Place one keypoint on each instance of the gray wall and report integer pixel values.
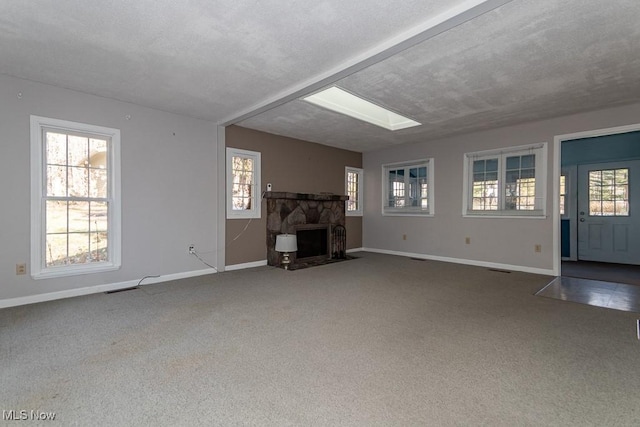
(169, 182)
(493, 240)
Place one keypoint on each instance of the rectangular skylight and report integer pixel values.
(341, 101)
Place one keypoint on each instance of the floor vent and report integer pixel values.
(122, 290)
(497, 270)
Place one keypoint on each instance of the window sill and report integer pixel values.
(52, 273)
(539, 215)
(244, 215)
(353, 214)
(426, 214)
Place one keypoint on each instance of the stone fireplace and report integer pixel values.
(313, 217)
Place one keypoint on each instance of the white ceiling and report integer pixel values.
(455, 66)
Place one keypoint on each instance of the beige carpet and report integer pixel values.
(380, 340)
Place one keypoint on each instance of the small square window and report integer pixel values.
(408, 188)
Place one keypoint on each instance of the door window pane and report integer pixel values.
(609, 192)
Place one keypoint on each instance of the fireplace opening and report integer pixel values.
(313, 242)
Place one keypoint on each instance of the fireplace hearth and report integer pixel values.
(313, 217)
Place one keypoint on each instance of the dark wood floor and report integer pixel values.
(617, 273)
(614, 286)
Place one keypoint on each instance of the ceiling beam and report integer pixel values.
(465, 11)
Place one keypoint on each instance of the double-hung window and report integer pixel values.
(508, 182)
(353, 188)
(75, 198)
(243, 183)
(408, 188)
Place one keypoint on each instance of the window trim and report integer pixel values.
(540, 151)
(409, 210)
(360, 173)
(39, 270)
(255, 211)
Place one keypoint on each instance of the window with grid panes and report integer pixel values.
(75, 198)
(609, 192)
(354, 188)
(243, 183)
(408, 188)
(507, 182)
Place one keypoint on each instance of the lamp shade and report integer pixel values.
(286, 243)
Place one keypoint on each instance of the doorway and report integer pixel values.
(608, 215)
(599, 204)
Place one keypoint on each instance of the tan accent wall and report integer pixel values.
(290, 165)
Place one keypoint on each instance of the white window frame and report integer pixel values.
(539, 211)
(567, 188)
(409, 210)
(255, 210)
(39, 270)
(360, 187)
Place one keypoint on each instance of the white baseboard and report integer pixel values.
(31, 299)
(525, 269)
(246, 265)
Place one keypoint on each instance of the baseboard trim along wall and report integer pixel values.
(524, 269)
(31, 299)
(246, 265)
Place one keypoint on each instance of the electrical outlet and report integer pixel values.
(538, 248)
(467, 240)
(21, 269)
(192, 249)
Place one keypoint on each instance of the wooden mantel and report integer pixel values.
(304, 196)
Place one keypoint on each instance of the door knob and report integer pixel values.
(581, 213)
(581, 219)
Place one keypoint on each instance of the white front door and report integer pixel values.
(609, 212)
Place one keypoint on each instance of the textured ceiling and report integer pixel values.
(202, 58)
(528, 60)
(244, 62)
